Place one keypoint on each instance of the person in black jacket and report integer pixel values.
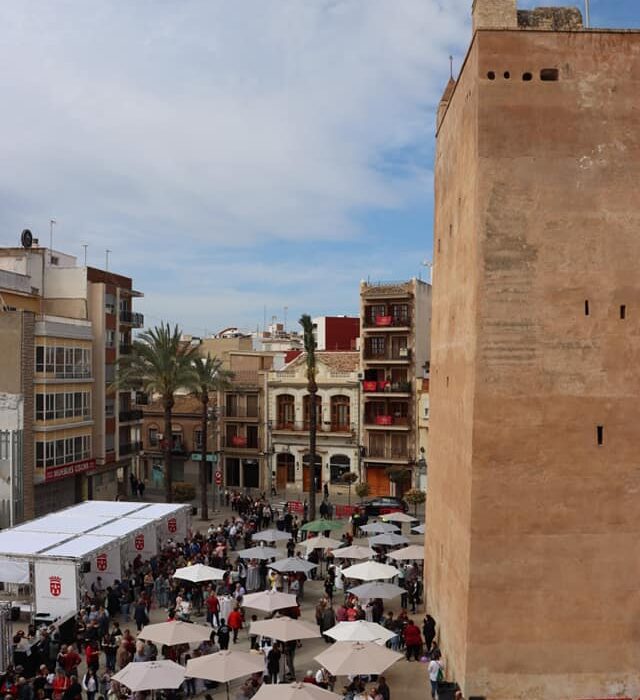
(223, 634)
(140, 615)
(428, 631)
(273, 663)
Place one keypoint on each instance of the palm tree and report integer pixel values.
(210, 377)
(312, 388)
(159, 363)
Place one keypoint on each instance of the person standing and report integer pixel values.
(435, 669)
(428, 630)
(327, 621)
(273, 663)
(412, 640)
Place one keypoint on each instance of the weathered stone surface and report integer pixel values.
(551, 18)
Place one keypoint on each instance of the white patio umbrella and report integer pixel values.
(370, 571)
(377, 589)
(355, 551)
(360, 631)
(413, 551)
(357, 658)
(259, 552)
(197, 573)
(269, 601)
(388, 539)
(284, 629)
(294, 691)
(399, 518)
(293, 564)
(320, 542)
(419, 529)
(271, 535)
(150, 675)
(378, 528)
(225, 666)
(172, 633)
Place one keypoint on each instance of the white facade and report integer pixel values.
(11, 426)
(338, 437)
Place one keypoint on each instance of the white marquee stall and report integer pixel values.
(63, 554)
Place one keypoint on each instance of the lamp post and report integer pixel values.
(422, 468)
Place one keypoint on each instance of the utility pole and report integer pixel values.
(85, 246)
(106, 261)
(52, 223)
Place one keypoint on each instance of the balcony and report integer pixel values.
(372, 386)
(391, 355)
(125, 348)
(303, 427)
(240, 442)
(129, 448)
(129, 415)
(73, 373)
(131, 318)
(386, 421)
(387, 321)
(387, 453)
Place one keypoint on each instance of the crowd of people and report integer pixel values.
(80, 663)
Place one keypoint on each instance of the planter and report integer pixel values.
(369, 386)
(384, 320)
(384, 420)
(238, 441)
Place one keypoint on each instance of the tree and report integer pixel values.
(159, 363)
(416, 497)
(349, 478)
(312, 388)
(209, 377)
(363, 490)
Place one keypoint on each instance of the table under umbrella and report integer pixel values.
(360, 631)
(172, 633)
(198, 573)
(412, 552)
(294, 691)
(271, 535)
(269, 601)
(150, 675)
(377, 589)
(284, 629)
(370, 571)
(357, 658)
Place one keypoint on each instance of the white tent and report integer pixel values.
(68, 550)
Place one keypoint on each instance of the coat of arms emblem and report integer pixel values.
(55, 585)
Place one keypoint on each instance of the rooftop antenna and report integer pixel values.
(52, 223)
(587, 13)
(451, 63)
(85, 246)
(106, 260)
(429, 264)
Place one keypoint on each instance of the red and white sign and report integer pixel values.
(102, 562)
(55, 585)
(56, 588)
(64, 471)
(139, 542)
(144, 542)
(172, 525)
(107, 565)
(218, 478)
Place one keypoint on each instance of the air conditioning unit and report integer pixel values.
(403, 352)
(360, 376)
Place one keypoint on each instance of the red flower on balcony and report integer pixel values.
(370, 385)
(384, 320)
(238, 441)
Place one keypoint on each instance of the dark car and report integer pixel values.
(382, 505)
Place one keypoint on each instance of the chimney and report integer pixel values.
(494, 14)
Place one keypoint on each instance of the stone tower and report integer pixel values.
(533, 544)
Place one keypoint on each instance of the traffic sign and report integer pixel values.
(218, 478)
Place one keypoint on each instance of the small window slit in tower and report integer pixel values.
(600, 434)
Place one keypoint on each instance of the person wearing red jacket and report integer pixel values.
(235, 623)
(412, 640)
(60, 684)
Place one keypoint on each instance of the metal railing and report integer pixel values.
(130, 415)
(132, 318)
(127, 448)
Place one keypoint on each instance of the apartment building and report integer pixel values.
(337, 415)
(336, 333)
(62, 317)
(394, 349)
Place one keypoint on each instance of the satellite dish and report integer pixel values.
(26, 238)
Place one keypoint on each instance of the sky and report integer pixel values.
(236, 157)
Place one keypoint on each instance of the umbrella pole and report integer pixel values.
(227, 690)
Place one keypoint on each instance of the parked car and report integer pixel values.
(382, 505)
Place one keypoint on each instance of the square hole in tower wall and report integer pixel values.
(623, 311)
(600, 434)
(549, 74)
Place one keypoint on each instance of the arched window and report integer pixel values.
(286, 411)
(306, 411)
(340, 414)
(338, 466)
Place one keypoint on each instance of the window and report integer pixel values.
(377, 346)
(373, 311)
(340, 414)
(376, 444)
(59, 404)
(40, 358)
(306, 411)
(110, 338)
(285, 409)
(549, 74)
(600, 434)
(40, 455)
(507, 75)
(40, 406)
(338, 466)
(586, 307)
(399, 347)
(60, 456)
(252, 406)
(252, 436)
(527, 77)
(109, 408)
(400, 313)
(50, 359)
(623, 312)
(153, 437)
(231, 404)
(197, 439)
(398, 445)
(491, 75)
(232, 465)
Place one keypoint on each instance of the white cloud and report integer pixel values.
(161, 123)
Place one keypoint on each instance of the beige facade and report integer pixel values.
(532, 523)
(338, 434)
(395, 320)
